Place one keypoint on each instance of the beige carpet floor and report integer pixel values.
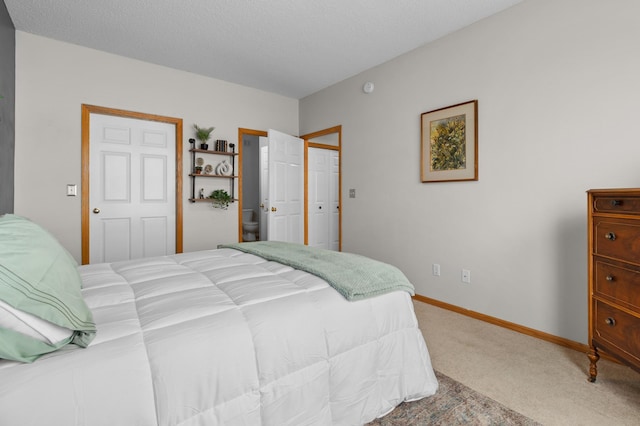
(538, 379)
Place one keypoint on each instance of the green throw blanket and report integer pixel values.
(355, 277)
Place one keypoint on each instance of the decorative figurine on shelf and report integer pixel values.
(224, 169)
(201, 194)
(203, 134)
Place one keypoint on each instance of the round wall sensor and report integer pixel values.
(368, 87)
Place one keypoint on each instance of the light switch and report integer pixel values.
(352, 193)
(72, 190)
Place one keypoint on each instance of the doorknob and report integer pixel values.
(262, 205)
(96, 210)
(273, 209)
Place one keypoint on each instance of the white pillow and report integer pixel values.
(32, 326)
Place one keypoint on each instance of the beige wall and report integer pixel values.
(54, 79)
(558, 88)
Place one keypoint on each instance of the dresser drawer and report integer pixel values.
(617, 283)
(617, 330)
(627, 205)
(617, 238)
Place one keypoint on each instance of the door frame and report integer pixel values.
(307, 144)
(87, 110)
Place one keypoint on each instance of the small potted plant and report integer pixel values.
(203, 134)
(198, 170)
(221, 199)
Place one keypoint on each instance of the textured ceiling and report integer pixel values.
(290, 47)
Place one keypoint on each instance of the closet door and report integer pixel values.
(323, 200)
(132, 196)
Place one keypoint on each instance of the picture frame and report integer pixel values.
(449, 143)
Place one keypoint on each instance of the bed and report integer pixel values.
(214, 337)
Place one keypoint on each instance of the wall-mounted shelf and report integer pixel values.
(212, 176)
(209, 151)
(193, 175)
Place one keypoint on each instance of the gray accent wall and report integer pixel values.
(7, 108)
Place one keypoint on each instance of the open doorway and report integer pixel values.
(249, 183)
(253, 226)
(281, 189)
(252, 209)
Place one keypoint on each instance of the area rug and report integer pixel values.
(453, 404)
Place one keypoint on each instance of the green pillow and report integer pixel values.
(38, 276)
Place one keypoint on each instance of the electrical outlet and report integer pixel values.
(352, 193)
(466, 276)
(435, 269)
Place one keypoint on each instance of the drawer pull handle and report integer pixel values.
(610, 236)
(615, 203)
(610, 278)
(610, 321)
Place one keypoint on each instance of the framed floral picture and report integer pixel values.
(449, 143)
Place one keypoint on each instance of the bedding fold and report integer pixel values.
(353, 276)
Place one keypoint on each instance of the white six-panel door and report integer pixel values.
(132, 176)
(323, 198)
(286, 188)
(334, 200)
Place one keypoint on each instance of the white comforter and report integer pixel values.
(223, 338)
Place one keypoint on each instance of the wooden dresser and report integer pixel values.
(614, 276)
